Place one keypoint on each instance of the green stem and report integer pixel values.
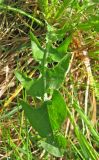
(44, 67)
(6, 7)
(44, 71)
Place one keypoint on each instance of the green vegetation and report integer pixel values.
(49, 90)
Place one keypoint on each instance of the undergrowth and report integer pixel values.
(49, 84)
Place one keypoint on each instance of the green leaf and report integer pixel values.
(56, 54)
(37, 50)
(60, 140)
(62, 8)
(39, 119)
(54, 79)
(56, 75)
(51, 35)
(34, 38)
(57, 115)
(1, 1)
(92, 23)
(34, 87)
(64, 46)
(57, 147)
(57, 111)
(23, 79)
(86, 148)
(65, 29)
(44, 6)
(55, 34)
(47, 121)
(55, 151)
(54, 2)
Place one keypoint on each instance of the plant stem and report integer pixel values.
(7, 7)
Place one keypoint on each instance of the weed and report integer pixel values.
(59, 97)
